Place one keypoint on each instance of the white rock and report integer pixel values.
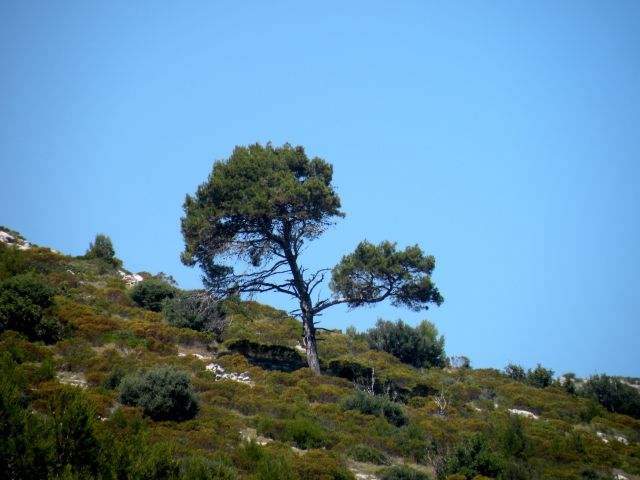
(221, 375)
(6, 237)
(620, 476)
(201, 357)
(523, 413)
(130, 280)
(621, 439)
(603, 437)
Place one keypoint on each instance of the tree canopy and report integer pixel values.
(261, 206)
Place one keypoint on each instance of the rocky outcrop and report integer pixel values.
(13, 239)
(130, 279)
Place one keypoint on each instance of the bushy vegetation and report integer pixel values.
(195, 309)
(539, 377)
(419, 346)
(377, 405)
(402, 472)
(151, 294)
(164, 393)
(369, 413)
(24, 300)
(613, 394)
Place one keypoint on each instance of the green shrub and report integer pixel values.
(321, 465)
(25, 448)
(73, 421)
(540, 377)
(151, 294)
(419, 346)
(515, 372)
(368, 454)
(402, 472)
(275, 468)
(202, 468)
(474, 456)
(613, 394)
(164, 393)
(414, 442)
(376, 405)
(102, 249)
(254, 458)
(23, 301)
(13, 261)
(305, 433)
(196, 310)
(157, 462)
(114, 378)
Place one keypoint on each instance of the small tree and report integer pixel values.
(540, 377)
(195, 309)
(102, 249)
(419, 346)
(261, 206)
(23, 301)
(515, 372)
(613, 394)
(151, 294)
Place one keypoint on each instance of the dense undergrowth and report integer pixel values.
(80, 359)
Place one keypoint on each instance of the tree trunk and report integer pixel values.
(310, 342)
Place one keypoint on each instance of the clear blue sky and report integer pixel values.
(503, 137)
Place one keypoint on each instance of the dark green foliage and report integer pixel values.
(255, 184)
(352, 371)
(158, 462)
(151, 294)
(419, 346)
(164, 393)
(513, 438)
(73, 421)
(368, 454)
(261, 206)
(114, 378)
(275, 468)
(264, 463)
(305, 433)
(568, 383)
(376, 405)
(414, 442)
(195, 309)
(202, 468)
(273, 357)
(25, 449)
(474, 456)
(13, 261)
(515, 372)
(102, 249)
(591, 411)
(321, 465)
(540, 377)
(613, 394)
(252, 457)
(23, 301)
(402, 472)
(374, 272)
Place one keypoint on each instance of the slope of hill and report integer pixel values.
(92, 385)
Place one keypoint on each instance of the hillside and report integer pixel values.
(93, 385)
